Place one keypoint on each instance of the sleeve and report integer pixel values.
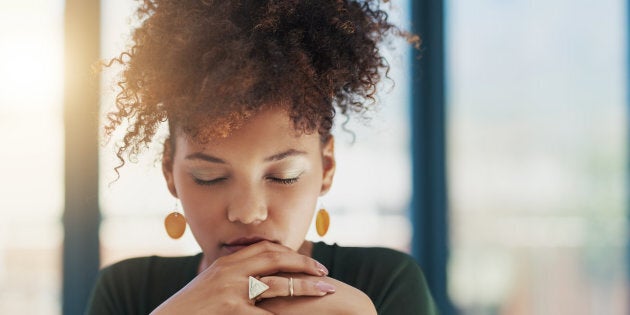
(406, 291)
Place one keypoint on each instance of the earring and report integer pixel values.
(175, 224)
(322, 221)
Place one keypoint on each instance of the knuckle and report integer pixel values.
(229, 304)
(273, 257)
(307, 261)
(271, 282)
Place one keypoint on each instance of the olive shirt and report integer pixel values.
(391, 279)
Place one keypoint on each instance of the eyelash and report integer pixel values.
(208, 182)
(283, 181)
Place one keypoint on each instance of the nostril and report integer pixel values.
(263, 217)
(247, 215)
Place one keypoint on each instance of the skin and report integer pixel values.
(249, 199)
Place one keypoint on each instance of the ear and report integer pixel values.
(329, 164)
(167, 166)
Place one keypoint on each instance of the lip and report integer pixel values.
(243, 242)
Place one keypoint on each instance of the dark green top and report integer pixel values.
(391, 279)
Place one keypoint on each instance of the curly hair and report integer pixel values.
(205, 66)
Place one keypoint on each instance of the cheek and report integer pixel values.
(296, 204)
(196, 200)
(293, 215)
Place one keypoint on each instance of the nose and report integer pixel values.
(247, 206)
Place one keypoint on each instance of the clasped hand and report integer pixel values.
(222, 288)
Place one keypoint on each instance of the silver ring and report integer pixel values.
(290, 286)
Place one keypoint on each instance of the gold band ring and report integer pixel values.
(290, 286)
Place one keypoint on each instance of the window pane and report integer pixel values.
(537, 156)
(31, 133)
(366, 207)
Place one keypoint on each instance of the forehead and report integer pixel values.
(267, 130)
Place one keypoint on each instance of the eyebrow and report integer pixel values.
(275, 157)
(205, 157)
(285, 154)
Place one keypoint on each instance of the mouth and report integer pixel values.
(243, 242)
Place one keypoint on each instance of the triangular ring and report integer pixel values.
(256, 287)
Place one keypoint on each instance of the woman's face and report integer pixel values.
(260, 182)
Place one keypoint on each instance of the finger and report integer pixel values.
(272, 262)
(256, 260)
(265, 258)
(281, 286)
(256, 249)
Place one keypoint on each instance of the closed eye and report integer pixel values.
(209, 182)
(284, 181)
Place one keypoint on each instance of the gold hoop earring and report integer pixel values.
(322, 222)
(175, 224)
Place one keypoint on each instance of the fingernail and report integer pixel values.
(325, 287)
(322, 269)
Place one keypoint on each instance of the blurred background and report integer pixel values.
(533, 145)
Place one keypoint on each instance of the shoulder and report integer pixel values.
(151, 270)
(372, 259)
(375, 255)
(134, 273)
(134, 268)
(113, 292)
(134, 286)
(392, 279)
(125, 275)
(129, 267)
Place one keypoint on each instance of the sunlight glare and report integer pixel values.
(30, 57)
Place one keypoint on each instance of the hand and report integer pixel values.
(223, 287)
(347, 300)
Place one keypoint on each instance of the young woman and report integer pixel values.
(249, 90)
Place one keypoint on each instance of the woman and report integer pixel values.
(249, 90)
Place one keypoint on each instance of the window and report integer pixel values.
(537, 154)
(31, 133)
